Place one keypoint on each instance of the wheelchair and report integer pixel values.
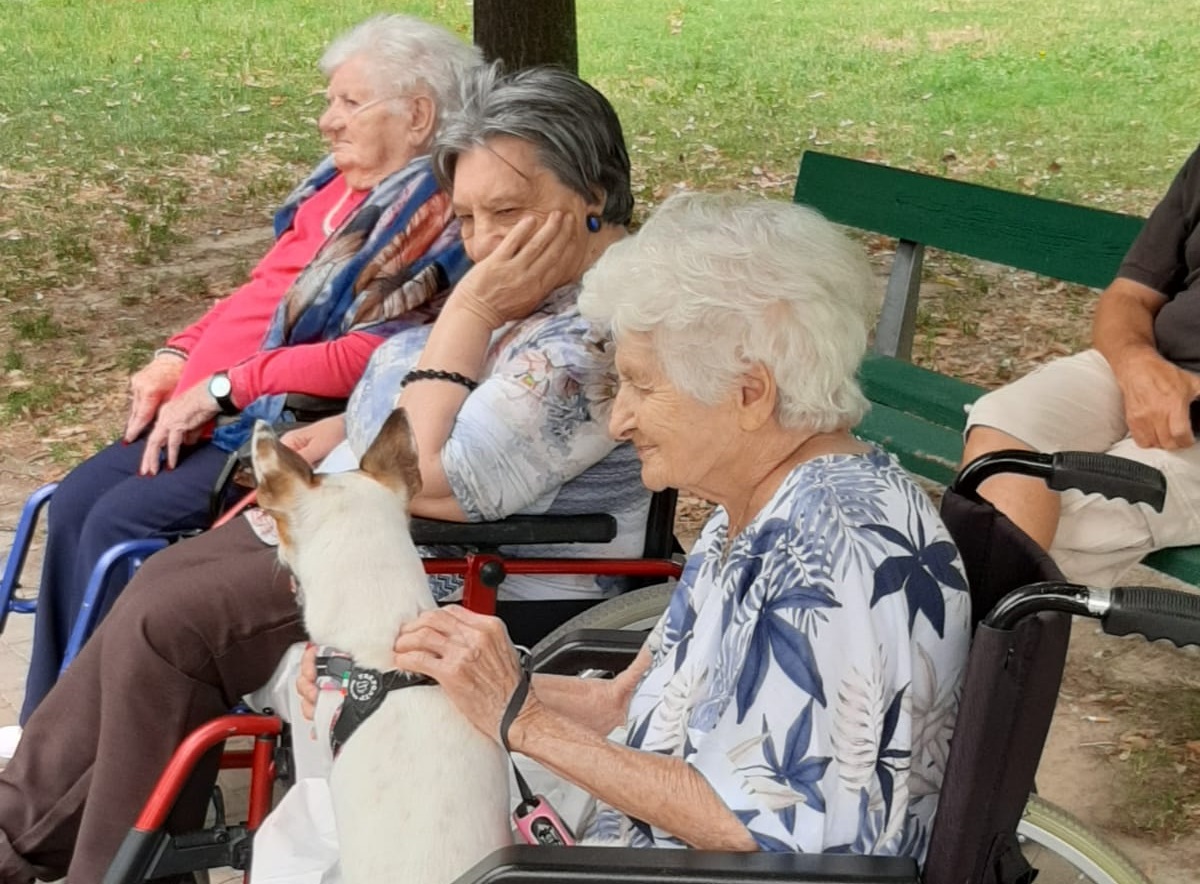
(989, 828)
(126, 557)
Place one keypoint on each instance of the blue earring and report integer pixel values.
(593, 223)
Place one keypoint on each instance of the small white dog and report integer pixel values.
(419, 795)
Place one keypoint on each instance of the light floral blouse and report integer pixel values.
(532, 438)
(811, 675)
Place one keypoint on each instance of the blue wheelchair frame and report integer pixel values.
(129, 554)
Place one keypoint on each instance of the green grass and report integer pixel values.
(128, 128)
(1081, 99)
(37, 326)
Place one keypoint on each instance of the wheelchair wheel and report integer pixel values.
(639, 609)
(1065, 851)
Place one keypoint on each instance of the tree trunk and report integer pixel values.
(527, 32)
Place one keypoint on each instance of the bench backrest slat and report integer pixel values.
(1072, 243)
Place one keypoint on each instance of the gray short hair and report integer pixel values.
(720, 281)
(407, 54)
(575, 130)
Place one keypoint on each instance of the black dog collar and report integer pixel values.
(366, 689)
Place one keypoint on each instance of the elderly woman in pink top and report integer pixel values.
(365, 247)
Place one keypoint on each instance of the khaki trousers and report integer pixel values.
(1074, 404)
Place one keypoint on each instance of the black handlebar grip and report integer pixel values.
(1154, 613)
(1108, 475)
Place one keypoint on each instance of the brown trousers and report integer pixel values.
(201, 624)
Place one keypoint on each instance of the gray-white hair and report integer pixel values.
(721, 281)
(406, 55)
(574, 129)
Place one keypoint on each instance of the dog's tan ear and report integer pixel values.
(392, 457)
(279, 471)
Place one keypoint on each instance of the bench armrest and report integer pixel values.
(516, 530)
(525, 864)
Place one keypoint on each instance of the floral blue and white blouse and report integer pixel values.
(532, 438)
(811, 674)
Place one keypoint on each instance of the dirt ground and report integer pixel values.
(1103, 734)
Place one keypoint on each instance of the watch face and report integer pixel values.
(220, 386)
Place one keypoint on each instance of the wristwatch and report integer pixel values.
(221, 390)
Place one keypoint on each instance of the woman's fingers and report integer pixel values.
(152, 452)
(469, 655)
(141, 412)
(515, 240)
(306, 682)
(175, 438)
(422, 662)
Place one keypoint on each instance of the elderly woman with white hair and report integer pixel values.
(366, 246)
(800, 690)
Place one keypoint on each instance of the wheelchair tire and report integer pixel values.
(639, 609)
(1065, 851)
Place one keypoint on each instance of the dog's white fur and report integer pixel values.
(419, 794)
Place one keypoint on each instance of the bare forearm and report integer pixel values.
(592, 702)
(598, 704)
(458, 343)
(1123, 330)
(665, 792)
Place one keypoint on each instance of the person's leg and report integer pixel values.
(1027, 501)
(1071, 404)
(201, 624)
(1098, 540)
(101, 503)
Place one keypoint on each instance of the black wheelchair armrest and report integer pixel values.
(610, 650)
(308, 409)
(1087, 471)
(516, 530)
(527, 864)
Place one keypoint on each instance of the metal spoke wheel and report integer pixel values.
(1065, 851)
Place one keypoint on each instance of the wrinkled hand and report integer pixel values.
(1157, 397)
(148, 389)
(179, 423)
(306, 682)
(315, 441)
(471, 657)
(529, 263)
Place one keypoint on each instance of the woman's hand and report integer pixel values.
(179, 423)
(529, 263)
(148, 389)
(315, 441)
(306, 682)
(469, 655)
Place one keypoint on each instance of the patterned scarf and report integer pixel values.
(390, 266)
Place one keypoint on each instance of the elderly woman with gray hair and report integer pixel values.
(365, 246)
(800, 690)
(507, 393)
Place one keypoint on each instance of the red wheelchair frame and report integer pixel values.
(149, 850)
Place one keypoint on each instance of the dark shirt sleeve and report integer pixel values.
(1157, 257)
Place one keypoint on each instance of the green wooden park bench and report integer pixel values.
(918, 414)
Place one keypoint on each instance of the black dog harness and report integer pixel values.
(364, 690)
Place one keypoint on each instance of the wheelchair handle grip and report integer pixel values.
(1154, 613)
(1090, 472)
(1108, 475)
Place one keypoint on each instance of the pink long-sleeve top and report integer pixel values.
(228, 336)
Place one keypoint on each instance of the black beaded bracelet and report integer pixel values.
(434, 374)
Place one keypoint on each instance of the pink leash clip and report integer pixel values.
(539, 823)
(535, 818)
